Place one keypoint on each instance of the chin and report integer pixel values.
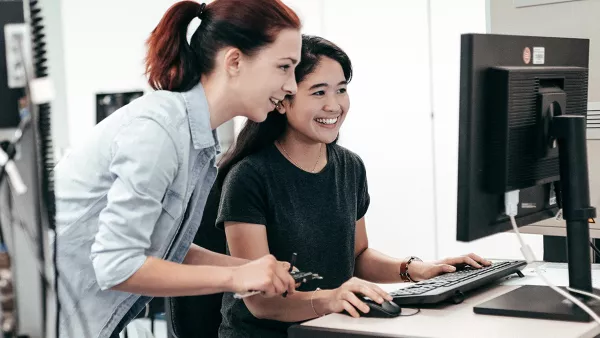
(327, 140)
(330, 140)
(258, 116)
(260, 119)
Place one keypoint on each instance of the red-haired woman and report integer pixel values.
(130, 198)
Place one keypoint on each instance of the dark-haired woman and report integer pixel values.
(130, 198)
(288, 187)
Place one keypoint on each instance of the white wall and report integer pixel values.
(104, 51)
(310, 13)
(389, 123)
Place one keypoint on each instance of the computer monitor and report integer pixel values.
(523, 104)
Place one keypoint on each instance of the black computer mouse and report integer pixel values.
(384, 310)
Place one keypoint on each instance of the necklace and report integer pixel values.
(296, 164)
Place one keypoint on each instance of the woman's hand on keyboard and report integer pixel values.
(425, 270)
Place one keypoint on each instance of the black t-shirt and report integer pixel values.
(313, 215)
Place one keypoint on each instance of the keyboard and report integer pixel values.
(453, 286)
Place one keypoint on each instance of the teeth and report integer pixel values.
(275, 102)
(327, 121)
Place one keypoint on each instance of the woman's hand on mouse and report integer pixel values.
(345, 297)
(425, 270)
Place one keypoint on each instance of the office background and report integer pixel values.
(404, 97)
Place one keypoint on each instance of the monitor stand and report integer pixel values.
(541, 301)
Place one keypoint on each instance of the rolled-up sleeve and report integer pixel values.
(143, 165)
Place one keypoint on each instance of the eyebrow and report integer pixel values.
(318, 85)
(294, 61)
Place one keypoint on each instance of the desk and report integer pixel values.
(448, 321)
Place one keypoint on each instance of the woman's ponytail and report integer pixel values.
(170, 61)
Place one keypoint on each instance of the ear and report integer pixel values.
(281, 109)
(233, 59)
(283, 106)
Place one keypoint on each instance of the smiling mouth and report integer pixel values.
(275, 102)
(328, 121)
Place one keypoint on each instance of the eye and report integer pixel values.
(284, 67)
(319, 93)
(342, 90)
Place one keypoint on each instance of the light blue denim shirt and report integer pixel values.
(121, 196)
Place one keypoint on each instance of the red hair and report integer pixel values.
(173, 64)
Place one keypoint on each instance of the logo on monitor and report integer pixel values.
(526, 55)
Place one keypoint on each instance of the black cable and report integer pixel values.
(558, 194)
(410, 314)
(4, 146)
(55, 264)
(595, 248)
(44, 119)
(557, 191)
(2, 242)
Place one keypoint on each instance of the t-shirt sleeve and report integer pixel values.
(243, 197)
(362, 190)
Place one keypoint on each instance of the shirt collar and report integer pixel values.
(199, 117)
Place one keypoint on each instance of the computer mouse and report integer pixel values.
(384, 310)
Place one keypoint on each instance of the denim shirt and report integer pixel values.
(122, 196)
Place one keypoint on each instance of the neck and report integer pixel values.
(302, 151)
(219, 100)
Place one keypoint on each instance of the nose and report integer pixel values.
(290, 86)
(332, 105)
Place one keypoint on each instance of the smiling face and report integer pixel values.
(265, 78)
(319, 107)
